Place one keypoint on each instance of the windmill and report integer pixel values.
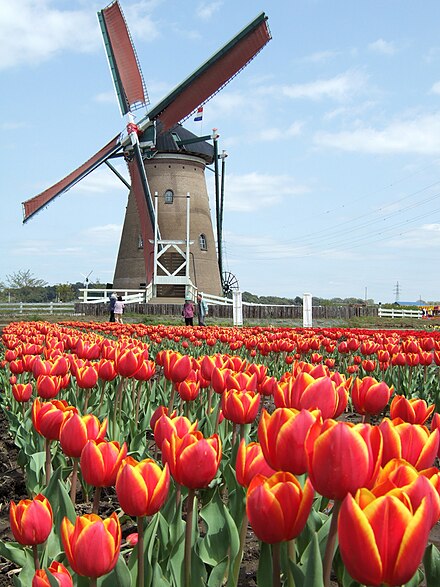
(167, 237)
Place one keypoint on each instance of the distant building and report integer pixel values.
(417, 303)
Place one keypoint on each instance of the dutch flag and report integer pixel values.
(199, 114)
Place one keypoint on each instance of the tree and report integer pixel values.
(21, 279)
(65, 292)
(22, 286)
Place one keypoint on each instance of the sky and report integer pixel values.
(332, 181)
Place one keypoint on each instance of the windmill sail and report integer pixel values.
(213, 75)
(123, 61)
(32, 206)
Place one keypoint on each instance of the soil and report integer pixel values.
(12, 487)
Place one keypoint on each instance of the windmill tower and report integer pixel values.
(164, 158)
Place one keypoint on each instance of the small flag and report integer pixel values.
(199, 114)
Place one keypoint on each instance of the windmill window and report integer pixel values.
(202, 242)
(140, 242)
(169, 197)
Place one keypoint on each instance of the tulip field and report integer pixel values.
(157, 456)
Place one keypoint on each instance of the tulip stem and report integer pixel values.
(74, 480)
(276, 568)
(239, 557)
(93, 582)
(292, 557)
(48, 463)
(217, 416)
(140, 551)
(96, 499)
(209, 406)
(86, 401)
(331, 542)
(138, 402)
(36, 557)
(171, 402)
(188, 535)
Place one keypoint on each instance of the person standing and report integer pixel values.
(119, 308)
(188, 312)
(202, 309)
(113, 299)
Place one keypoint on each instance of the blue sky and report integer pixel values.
(332, 131)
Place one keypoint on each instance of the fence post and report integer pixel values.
(307, 310)
(237, 308)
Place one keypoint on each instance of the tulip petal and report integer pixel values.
(357, 544)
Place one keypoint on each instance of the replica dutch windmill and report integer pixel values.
(168, 237)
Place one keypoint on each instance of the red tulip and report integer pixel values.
(250, 462)
(399, 476)
(240, 407)
(106, 370)
(31, 520)
(282, 436)
(382, 541)
(343, 458)
(188, 390)
(278, 507)
(165, 427)
(92, 545)
(22, 391)
(48, 386)
(142, 487)
(58, 571)
(86, 376)
(76, 430)
(414, 411)
(100, 462)
(193, 459)
(47, 417)
(370, 396)
(412, 442)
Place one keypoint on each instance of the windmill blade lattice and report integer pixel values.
(124, 64)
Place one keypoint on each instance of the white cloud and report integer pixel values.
(340, 88)
(106, 97)
(32, 31)
(257, 190)
(320, 57)
(139, 20)
(435, 89)
(205, 10)
(277, 134)
(420, 134)
(382, 47)
(103, 180)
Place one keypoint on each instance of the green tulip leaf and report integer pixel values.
(431, 562)
(213, 547)
(52, 580)
(119, 577)
(17, 554)
(264, 572)
(175, 561)
(26, 575)
(217, 574)
(417, 579)
(313, 576)
(159, 578)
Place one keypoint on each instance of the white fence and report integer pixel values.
(399, 313)
(21, 308)
(102, 296)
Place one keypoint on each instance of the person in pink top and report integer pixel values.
(119, 309)
(188, 312)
